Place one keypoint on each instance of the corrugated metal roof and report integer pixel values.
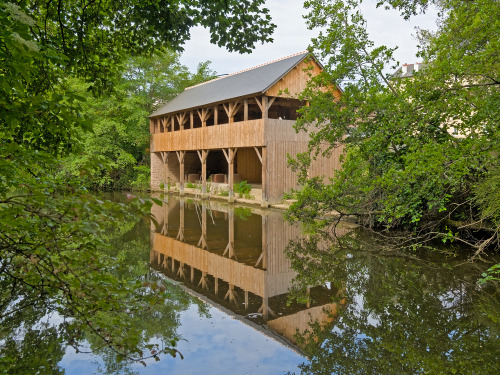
(247, 82)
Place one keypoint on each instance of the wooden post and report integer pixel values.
(180, 234)
(265, 108)
(203, 116)
(181, 118)
(172, 123)
(204, 173)
(164, 156)
(191, 119)
(203, 239)
(230, 162)
(203, 158)
(230, 245)
(264, 178)
(231, 175)
(265, 227)
(216, 286)
(245, 110)
(180, 156)
(231, 110)
(216, 115)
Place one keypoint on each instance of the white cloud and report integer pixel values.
(292, 35)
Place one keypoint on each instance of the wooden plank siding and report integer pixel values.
(251, 279)
(299, 322)
(237, 134)
(296, 80)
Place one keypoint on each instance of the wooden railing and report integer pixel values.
(237, 134)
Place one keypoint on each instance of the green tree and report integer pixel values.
(115, 154)
(52, 234)
(398, 313)
(420, 153)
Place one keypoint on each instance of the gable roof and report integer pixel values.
(256, 80)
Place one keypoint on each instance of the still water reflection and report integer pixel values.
(250, 294)
(236, 259)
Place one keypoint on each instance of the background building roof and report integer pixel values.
(408, 70)
(256, 80)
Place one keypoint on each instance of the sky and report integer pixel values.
(291, 36)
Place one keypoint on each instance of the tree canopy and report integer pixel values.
(398, 313)
(115, 155)
(420, 153)
(53, 235)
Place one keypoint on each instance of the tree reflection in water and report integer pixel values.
(402, 314)
(34, 340)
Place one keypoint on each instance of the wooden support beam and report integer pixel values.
(216, 286)
(181, 118)
(151, 126)
(204, 156)
(265, 229)
(230, 161)
(203, 159)
(216, 115)
(226, 155)
(259, 104)
(232, 295)
(164, 156)
(203, 239)
(180, 271)
(229, 250)
(204, 114)
(265, 108)
(270, 102)
(203, 280)
(232, 109)
(245, 110)
(264, 177)
(180, 234)
(180, 156)
(172, 123)
(258, 154)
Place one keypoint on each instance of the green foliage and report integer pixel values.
(243, 213)
(397, 313)
(243, 189)
(492, 274)
(115, 155)
(417, 152)
(53, 235)
(224, 193)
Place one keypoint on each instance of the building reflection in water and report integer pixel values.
(235, 257)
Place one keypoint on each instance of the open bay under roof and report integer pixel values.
(248, 82)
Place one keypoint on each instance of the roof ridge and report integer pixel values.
(246, 70)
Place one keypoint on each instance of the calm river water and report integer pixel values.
(256, 296)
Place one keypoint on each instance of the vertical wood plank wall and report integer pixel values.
(281, 140)
(279, 233)
(249, 165)
(296, 80)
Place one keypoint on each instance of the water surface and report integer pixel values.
(251, 294)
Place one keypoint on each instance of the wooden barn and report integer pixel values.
(237, 127)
